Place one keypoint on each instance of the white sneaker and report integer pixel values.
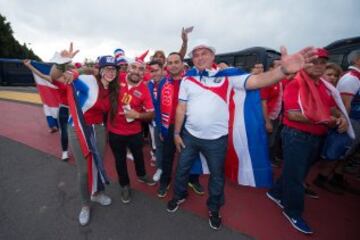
(157, 175)
(130, 156)
(153, 157)
(65, 155)
(101, 198)
(84, 216)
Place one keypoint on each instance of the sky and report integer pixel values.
(99, 27)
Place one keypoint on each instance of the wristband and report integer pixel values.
(61, 67)
(74, 73)
(176, 134)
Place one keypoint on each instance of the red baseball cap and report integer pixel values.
(322, 53)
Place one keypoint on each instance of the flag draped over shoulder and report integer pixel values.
(82, 95)
(48, 93)
(247, 159)
(312, 107)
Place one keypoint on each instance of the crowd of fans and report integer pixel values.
(310, 107)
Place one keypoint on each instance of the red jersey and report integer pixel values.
(96, 114)
(62, 92)
(139, 99)
(291, 96)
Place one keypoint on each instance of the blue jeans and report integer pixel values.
(63, 123)
(300, 151)
(214, 152)
(159, 147)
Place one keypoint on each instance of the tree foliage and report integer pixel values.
(10, 47)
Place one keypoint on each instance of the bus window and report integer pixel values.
(336, 58)
(251, 60)
(240, 61)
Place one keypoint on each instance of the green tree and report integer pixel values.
(9, 46)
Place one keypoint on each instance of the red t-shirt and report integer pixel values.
(271, 95)
(139, 99)
(96, 114)
(291, 103)
(62, 92)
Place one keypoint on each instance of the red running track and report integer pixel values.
(247, 210)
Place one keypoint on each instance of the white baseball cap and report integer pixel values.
(58, 59)
(201, 44)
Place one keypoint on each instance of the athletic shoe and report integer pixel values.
(197, 188)
(215, 220)
(274, 199)
(130, 156)
(157, 175)
(322, 182)
(125, 194)
(173, 204)
(299, 224)
(145, 179)
(53, 130)
(65, 156)
(311, 193)
(163, 190)
(101, 198)
(84, 216)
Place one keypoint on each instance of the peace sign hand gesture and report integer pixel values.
(69, 53)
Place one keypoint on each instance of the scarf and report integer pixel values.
(166, 105)
(311, 104)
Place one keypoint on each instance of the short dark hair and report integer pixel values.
(176, 53)
(224, 61)
(156, 62)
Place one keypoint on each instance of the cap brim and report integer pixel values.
(58, 59)
(201, 46)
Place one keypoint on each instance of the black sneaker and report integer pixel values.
(215, 220)
(146, 180)
(323, 183)
(173, 204)
(125, 194)
(197, 188)
(163, 190)
(310, 193)
(344, 185)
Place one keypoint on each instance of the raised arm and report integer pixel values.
(289, 64)
(58, 70)
(183, 49)
(27, 63)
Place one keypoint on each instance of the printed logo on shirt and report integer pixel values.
(217, 80)
(137, 93)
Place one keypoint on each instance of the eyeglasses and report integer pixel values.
(109, 69)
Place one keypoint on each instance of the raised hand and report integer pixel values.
(184, 35)
(69, 53)
(297, 61)
(27, 62)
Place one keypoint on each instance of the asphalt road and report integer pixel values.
(39, 200)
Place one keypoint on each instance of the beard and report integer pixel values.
(134, 78)
(175, 73)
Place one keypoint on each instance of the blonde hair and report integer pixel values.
(335, 67)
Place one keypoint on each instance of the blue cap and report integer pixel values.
(107, 61)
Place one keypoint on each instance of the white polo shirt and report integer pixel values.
(207, 96)
(349, 84)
